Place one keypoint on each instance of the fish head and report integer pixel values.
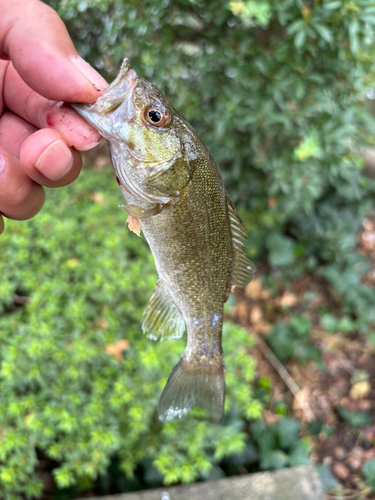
(150, 142)
(134, 113)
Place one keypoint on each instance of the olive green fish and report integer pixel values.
(174, 192)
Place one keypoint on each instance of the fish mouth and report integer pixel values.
(114, 95)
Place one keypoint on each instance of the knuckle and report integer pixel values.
(19, 196)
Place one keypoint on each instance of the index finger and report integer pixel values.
(43, 113)
(34, 37)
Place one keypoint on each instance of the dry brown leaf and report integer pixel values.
(134, 225)
(288, 300)
(355, 463)
(368, 225)
(305, 393)
(270, 418)
(241, 310)
(254, 289)
(360, 390)
(256, 314)
(98, 198)
(365, 404)
(369, 454)
(272, 202)
(340, 453)
(117, 348)
(368, 240)
(341, 471)
(102, 323)
(263, 328)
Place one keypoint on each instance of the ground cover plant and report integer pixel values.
(79, 381)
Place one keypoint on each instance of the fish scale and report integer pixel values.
(175, 194)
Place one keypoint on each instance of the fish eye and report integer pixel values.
(155, 116)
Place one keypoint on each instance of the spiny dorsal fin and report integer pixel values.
(163, 319)
(243, 269)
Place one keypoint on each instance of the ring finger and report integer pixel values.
(20, 197)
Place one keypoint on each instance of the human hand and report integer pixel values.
(40, 137)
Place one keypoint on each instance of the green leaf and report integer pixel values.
(287, 431)
(353, 36)
(369, 472)
(299, 39)
(356, 419)
(333, 5)
(329, 322)
(328, 479)
(295, 26)
(324, 32)
(282, 341)
(300, 453)
(273, 459)
(280, 249)
(301, 325)
(309, 147)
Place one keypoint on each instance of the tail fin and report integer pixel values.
(190, 385)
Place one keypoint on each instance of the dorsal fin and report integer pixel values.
(243, 269)
(163, 319)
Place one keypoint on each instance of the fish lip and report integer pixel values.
(114, 95)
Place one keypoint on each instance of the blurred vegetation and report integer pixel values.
(276, 91)
(79, 381)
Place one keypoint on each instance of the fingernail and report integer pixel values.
(55, 161)
(90, 73)
(91, 145)
(2, 164)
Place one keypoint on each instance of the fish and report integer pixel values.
(175, 195)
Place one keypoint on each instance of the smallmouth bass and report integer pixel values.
(175, 194)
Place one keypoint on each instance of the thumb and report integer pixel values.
(34, 37)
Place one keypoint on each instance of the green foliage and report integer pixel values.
(270, 447)
(292, 340)
(279, 445)
(73, 283)
(369, 472)
(328, 479)
(276, 91)
(355, 418)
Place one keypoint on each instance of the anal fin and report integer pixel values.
(163, 320)
(243, 268)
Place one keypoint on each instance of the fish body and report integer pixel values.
(174, 191)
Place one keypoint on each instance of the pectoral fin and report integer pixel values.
(243, 269)
(163, 319)
(142, 213)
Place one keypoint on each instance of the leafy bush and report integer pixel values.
(292, 340)
(276, 91)
(369, 472)
(79, 381)
(279, 444)
(273, 87)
